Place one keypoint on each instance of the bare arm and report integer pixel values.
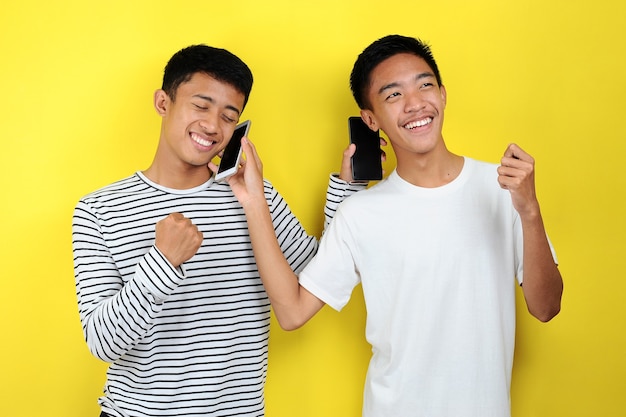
(543, 284)
(292, 304)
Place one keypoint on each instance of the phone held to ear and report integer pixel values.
(229, 163)
(366, 161)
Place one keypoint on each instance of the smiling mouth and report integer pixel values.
(418, 123)
(201, 141)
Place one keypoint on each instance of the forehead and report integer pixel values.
(206, 87)
(398, 69)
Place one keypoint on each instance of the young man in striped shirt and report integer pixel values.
(168, 288)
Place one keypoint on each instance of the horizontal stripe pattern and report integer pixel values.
(186, 341)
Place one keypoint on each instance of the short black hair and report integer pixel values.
(218, 63)
(379, 51)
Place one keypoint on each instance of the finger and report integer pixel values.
(251, 149)
(249, 146)
(212, 166)
(508, 172)
(513, 167)
(349, 151)
(176, 216)
(511, 150)
(346, 163)
(509, 177)
(515, 152)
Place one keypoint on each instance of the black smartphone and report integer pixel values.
(366, 161)
(229, 163)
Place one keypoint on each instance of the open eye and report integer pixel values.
(393, 95)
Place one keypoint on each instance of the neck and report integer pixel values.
(178, 178)
(430, 170)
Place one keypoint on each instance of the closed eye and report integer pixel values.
(229, 119)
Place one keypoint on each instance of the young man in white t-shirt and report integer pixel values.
(438, 248)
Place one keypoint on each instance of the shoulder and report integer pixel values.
(267, 185)
(368, 199)
(478, 170)
(124, 185)
(272, 195)
(269, 189)
(480, 166)
(117, 186)
(482, 180)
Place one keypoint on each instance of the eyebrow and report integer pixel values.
(212, 101)
(396, 84)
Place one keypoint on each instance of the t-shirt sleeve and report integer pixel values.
(331, 275)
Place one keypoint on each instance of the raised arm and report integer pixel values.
(293, 305)
(342, 186)
(542, 284)
(115, 314)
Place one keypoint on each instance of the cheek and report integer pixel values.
(388, 118)
(177, 125)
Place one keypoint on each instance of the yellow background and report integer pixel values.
(76, 87)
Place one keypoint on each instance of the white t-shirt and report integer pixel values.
(438, 268)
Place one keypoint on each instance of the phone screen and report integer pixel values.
(366, 161)
(229, 162)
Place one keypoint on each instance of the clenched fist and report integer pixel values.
(177, 238)
(516, 173)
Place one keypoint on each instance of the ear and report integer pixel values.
(161, 102)
(368, 117)
(444, 95)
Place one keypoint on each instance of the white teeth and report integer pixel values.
(200, 141)
(419, 123)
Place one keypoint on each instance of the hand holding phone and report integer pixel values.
(229, 163)
(366, 161)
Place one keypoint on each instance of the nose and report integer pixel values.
(209, 123)
(413, 102)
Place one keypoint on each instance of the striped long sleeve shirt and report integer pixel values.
(186, 341)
